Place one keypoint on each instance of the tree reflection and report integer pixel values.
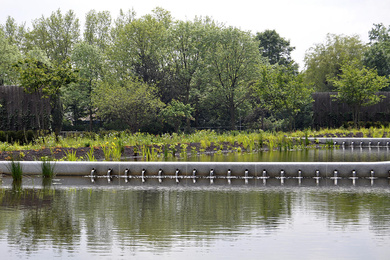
(160, 217)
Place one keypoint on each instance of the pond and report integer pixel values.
(206, 222)
(74, 218)
(305, 155)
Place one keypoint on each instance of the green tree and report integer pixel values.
(56, 35)
(89, 61)
(274, 47)
(324, 61)
(9, 55)
(357, 86)
(230, 64)
(98, 29)
(378, 53)
(15, 34)
(131, 101)
(48, 79)
(281, 90)
(175, 112)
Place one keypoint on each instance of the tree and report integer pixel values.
(9, 55)
(15, 34)
(378, 53)
(358, 87)
(56, 35)
(98, 28)
(281, 90)
(140, 50)
(131, 101)
(230, 63)
(324, 61)
(48, 79)
(175, 112)
(275, 48)
(88, 59)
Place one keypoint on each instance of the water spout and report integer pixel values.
(246, 176)
(317, 177)
(282, 177)
(177, 175)
(160, 172)
(299, 176)
(194, 175)
(93, 175)
(212, 176)
(229, 176)
(143, 175)
(109, 175)
(127, 171)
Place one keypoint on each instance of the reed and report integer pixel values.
(71, 155)
(16, 171)
(47, 168)
(90, 155)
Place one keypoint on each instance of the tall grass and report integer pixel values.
(16, 171)
(47, 168)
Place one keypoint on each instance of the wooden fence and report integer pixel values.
(23, 111)
(330, 113)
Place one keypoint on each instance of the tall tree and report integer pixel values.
(15, 34)
(56, 35)
(324, 60)
(357, 86)
(141, 50)
(378, 53)
(48, 79)
(131, 101)
(98, 29)
(281, 90)
(88, 59)
(231, 63)
(9, 54)
(274, 47)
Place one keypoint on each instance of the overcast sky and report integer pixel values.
(303, 22)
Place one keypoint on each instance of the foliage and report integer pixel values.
(88, 59)
(131, 101)
(282, 91)
(175, 112)
(324, 61)
(56, 35)
(358, 87)
(275, 48)
(47, 168)
(378, 53)
(232, 60)
(9, 54)
(36, 76)
(16, 171)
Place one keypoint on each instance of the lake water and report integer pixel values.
(74, 218)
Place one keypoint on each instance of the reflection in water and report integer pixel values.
(222, 222)
(304, 155)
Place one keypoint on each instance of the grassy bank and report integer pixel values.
(113, 145)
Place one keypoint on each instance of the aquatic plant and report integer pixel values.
(90, 155)
(71, 155)
(16, 171)
(47, 168)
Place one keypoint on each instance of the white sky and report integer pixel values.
(303, 22)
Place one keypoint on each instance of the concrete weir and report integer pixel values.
(210, 170)
(352, 142)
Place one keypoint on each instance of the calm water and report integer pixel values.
(192, 222)
(73, 218)
(308, 155)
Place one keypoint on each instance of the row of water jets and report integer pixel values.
(212, 177)
(360, 144)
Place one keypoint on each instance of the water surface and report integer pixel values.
(192, 222)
